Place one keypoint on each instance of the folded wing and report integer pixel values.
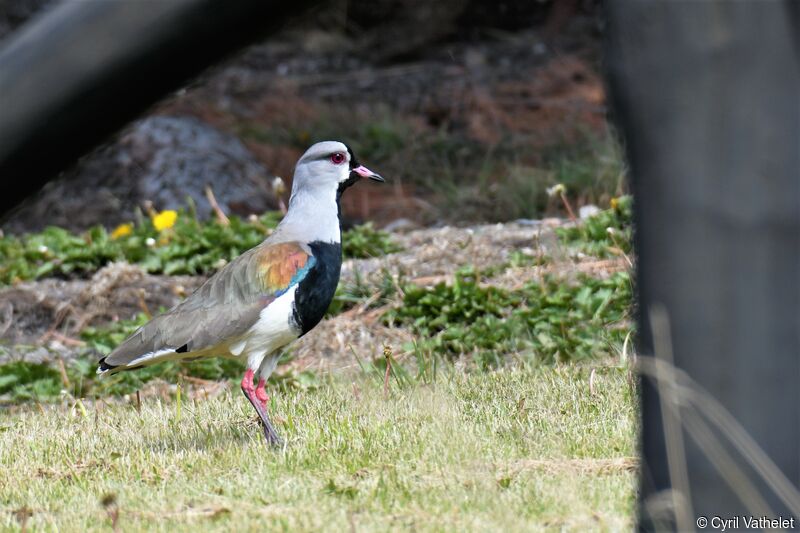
(220, 311)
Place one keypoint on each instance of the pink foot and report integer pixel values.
(261, 393)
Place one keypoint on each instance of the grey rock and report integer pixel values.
(162, 159)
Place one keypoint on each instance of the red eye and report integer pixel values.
(337, 158)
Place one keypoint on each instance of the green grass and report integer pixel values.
(516, 450)
(462, 178)
(188, 247)
(22, 381)
(365, 241)
(592, 169)
(522, 447)
(606, 234)
(555, 320)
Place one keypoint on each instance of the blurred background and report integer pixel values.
(471, 109)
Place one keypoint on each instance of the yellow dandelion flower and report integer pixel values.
(165, 220)
(123, 230)
(614, 203)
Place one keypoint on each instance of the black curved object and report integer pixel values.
(80, 72)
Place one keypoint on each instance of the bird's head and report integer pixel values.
(330, 165)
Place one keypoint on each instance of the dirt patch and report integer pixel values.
(432, 256)
(41, 320)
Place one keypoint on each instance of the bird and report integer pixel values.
(270, 295)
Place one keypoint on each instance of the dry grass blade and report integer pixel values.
(222, 218)
(671, 416)
(685, 392)
(587, 466)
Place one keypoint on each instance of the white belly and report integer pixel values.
(271, 332)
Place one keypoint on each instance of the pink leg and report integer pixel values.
(261, 392)
(258, 398)
(247, 382)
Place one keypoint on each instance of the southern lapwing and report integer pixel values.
(268, 296)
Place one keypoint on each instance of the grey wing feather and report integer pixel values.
(222, 309)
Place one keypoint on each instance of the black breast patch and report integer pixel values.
(315, 292)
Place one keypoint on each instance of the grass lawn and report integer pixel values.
(512, 450)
